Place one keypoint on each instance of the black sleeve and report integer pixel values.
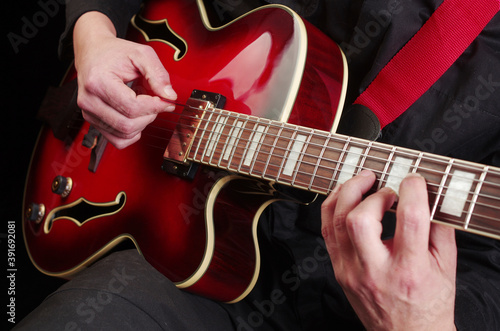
(119, 12)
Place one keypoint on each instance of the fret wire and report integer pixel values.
(201, 136)
(380, 159)
(347, 143)
(441, 187)
(237, 141)
(220, 135)
(365, 155)
(275, 142)
(259, 146)
(417, 162)
(212, 140)
(436, 161)
(394, 162)
(386, 168)
(320, 157)
(288, 150)
(473, 202)
(225, 145)
(381, 148)
(300, 158)
(209, 132)
(339, 162)
(248, 144)
(232, 141)
(485, 217)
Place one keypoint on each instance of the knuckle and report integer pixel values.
(328, 205)
(326, 232)
(412, 216)
(126, 128)
(339, 222)
(146, 50)
(130, 108)
(92, 81)
(355, 221)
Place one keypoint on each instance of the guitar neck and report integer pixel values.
(462, 194)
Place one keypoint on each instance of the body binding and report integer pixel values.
(268, 63)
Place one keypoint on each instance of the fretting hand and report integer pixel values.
(405, 283)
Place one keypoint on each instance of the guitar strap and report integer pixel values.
(426, 56)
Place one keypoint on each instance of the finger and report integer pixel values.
(443, 246)
(131, 105)
(155, 73)
(119, 130)
(121, 143)
(413, 217)
(364, 225)
(350, 196)
(327, 212)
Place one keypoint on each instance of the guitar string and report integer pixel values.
(329, 179)
(471, 225)
(318, 133)
(297, 129)
(323, 134)
(371, 158)
(379, 147)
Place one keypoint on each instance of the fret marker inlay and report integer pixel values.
(293, 157)
(400, 168)
(215, 135)
(457, 193)
(350, 163)
(256, 136)
(234, 134)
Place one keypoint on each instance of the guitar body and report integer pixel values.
(200, 232)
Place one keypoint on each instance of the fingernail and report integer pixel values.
(365, 173)
(414, 174)
(389, 190)
(170, 93)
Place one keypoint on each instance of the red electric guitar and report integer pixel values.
(189, 194)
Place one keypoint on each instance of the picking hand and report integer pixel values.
(105, 64)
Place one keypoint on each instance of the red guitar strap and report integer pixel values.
(430, 52)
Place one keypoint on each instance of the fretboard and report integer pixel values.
(462, 194)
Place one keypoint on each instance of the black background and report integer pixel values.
(26, 74)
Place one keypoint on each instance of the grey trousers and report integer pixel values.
(124, 292)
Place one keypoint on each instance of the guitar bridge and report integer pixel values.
(175, 156)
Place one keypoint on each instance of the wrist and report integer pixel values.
(91, 28)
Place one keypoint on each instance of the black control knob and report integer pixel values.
(62, 186)
(35, 212)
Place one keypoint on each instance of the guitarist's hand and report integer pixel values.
(407, 282)
(105, 64)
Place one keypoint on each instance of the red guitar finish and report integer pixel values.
(198, 232)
